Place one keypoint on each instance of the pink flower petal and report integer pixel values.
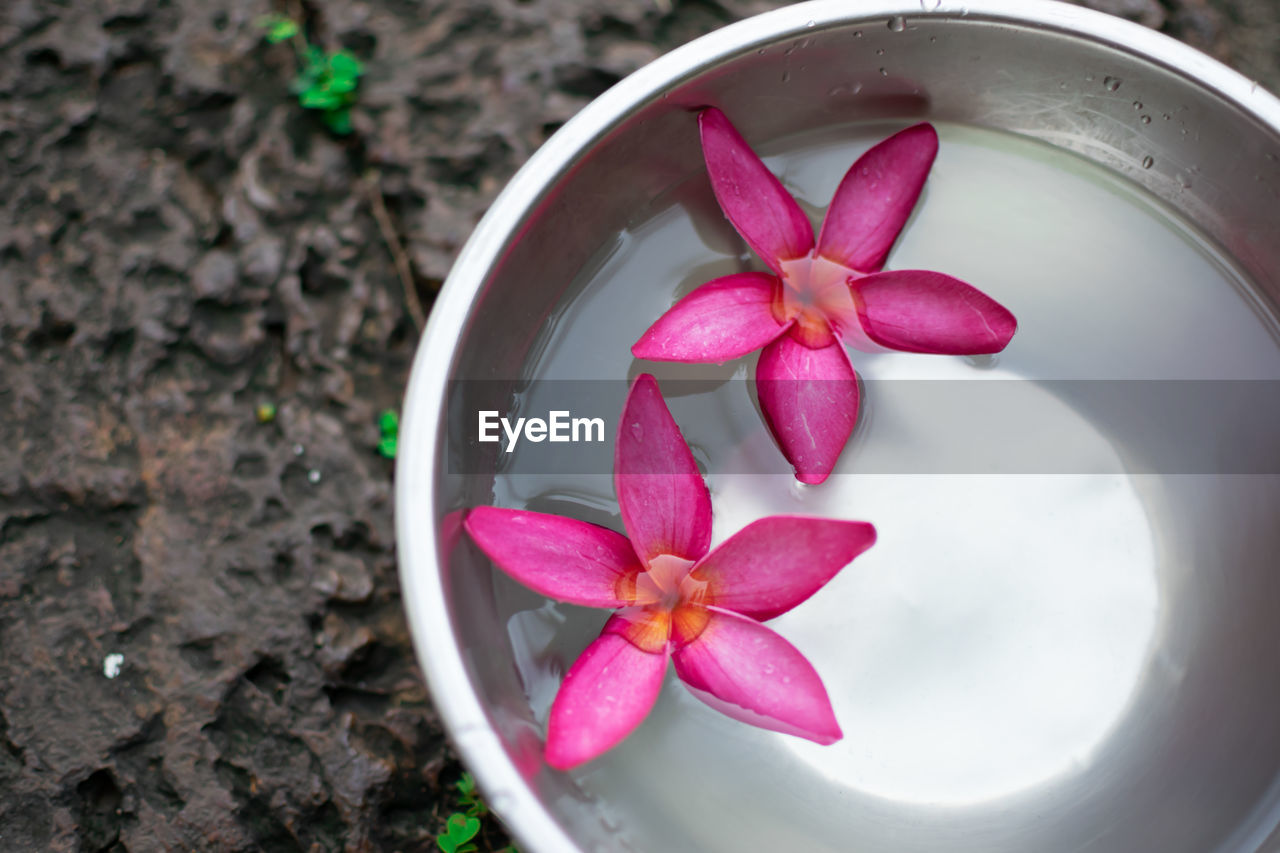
(809, 398)
(559, 557)
(664, 502)
(741, 668)
(764, 213)
(919, 311)
(773, 564)
(876, 197)
(725, 318)
(605, 695)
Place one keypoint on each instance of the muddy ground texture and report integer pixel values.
(179, 243)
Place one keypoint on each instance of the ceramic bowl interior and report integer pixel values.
(1192, 764)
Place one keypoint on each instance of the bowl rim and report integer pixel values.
(435, 642)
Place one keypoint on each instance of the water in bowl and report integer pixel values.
(1044, 637)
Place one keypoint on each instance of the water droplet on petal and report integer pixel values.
(897, 23)
(1148, 162)
(637, 431)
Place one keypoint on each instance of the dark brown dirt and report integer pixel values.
(179, 242)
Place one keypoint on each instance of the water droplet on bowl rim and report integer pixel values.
(1145, 119)
(897, 23)
(884, 72)
(1111, 83)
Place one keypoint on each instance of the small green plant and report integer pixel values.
(389, 427)
(265, 413)
(469, 799)
(326, 81)
(458, 832)
(463, 826)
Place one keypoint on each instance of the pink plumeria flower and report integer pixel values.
(821, 293)
(674, 597)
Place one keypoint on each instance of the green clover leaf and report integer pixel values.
(459, 829)
(344, 66)
(389, 425)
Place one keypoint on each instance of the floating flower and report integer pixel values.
(674, 597)
(821, 294)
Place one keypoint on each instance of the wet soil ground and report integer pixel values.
(201, 638)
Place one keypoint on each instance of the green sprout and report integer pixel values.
(265, 413)
(458, 832)
(460, 828)
(389, 427)
(326, 81)
(468, 798)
